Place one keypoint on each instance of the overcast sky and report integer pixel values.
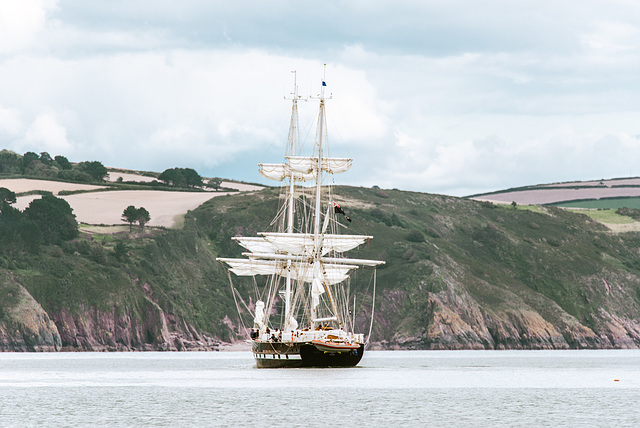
(452, 97)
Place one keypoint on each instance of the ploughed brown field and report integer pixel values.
(105, 208)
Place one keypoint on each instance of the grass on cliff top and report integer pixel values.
(607, 216)
(603, 203)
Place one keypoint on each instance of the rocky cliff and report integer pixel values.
(24, 325)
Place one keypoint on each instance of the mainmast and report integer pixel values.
(318, 284)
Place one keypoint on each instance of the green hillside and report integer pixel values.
(458, 274)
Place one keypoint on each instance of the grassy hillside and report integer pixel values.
(501, 261)
(458, 274)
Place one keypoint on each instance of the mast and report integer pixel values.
(316, 221)
(317, 232)
(293, 134)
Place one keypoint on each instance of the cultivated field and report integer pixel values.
(615, 182)
(106, 207)
(22, 185)
(240, 186)
(599, 199)
(165, 208)
(569, 191)
(114, 176)
(550, 195)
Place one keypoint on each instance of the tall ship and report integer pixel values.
(304, 313)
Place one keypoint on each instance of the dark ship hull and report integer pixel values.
(292, 355)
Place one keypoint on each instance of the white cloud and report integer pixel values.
(429, 96)
(10, 122)
(612, 39)
(474, 166)
(21, 22)
(46, 135)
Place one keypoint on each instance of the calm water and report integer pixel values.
(401, 388)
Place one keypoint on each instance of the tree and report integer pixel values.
(17, 232)
(7, 196)
(181, 177)
(214, 183)
(95, 169)
(75, 175)
(38, 169)
(62, 162)
(143, 218)
(10, 163)
(27, 158)
(130, 215)
(191, 177)
(120, 250)
(29, 235)
(46, 159)
(55, 218)
(173, 177)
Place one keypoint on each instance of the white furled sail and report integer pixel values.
(255, 244)
(308, 165)
(249, 267)
(273, 171)
(259, 316)
(329, 273)
(304, 244)
(299, 244)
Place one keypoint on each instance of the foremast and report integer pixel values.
(290, 323)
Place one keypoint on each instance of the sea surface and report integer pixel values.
(388, 388)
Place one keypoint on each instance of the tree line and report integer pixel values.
(47, 220)
(187, 177)
(45, 166)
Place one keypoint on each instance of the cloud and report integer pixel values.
(47, 135)
(612, 39)
(10, 122)
(475, 166)
(21, 22)
(433, 96)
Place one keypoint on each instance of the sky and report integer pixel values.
(457, 97)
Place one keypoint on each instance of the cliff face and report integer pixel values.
(24, 325)
(451, 322)
(147, 328)
(487, 277)
(93, 330)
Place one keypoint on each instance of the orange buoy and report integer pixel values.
(616, 380)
